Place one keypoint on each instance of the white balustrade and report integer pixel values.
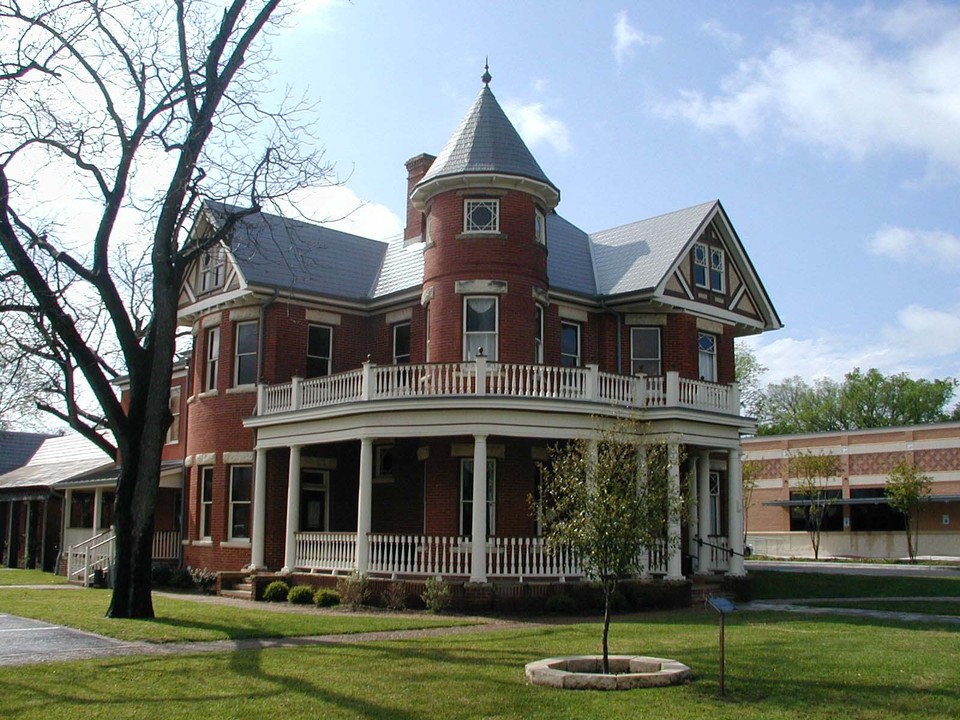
(326, 551)
(529, 557)
(719, 554)
(166, 545)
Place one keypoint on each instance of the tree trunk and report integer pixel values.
(607, 602)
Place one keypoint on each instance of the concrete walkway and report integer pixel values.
(800, 606)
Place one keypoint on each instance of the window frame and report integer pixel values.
(329, 356)
(173, 432)
(211, 371)
(383, 462)
(538, 334)
(703, 353)
(717, 274)
(243, 359)
(402, 358)
(540, 228)
(635, 358)
(579, 356)
(213, 264)
(470, 348)
(470, 205)
(205, 519)
(234, 503)
(466, 498)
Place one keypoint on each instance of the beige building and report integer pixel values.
(859, 522)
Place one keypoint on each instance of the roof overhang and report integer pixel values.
(546, 193)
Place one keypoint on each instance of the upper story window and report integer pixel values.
(319, 350)
(212, 269)
(479, 327)
(212, 373)
(481, 216)
(645, 351)
(245, 365)
(708, 267)
(426, 322)
(538, 336)
(540, 228)
(401, 344)
(569, 344)
(707, 353)
(173, 432)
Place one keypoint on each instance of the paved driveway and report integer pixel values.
(25, 641)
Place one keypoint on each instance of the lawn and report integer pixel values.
(180, 620)
(12, 576)
(778, 667)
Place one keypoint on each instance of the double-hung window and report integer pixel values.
(481, 216)
(538, 336)
(707, 353)
(401, 344)
(241, 480)
(173, 432)
(479, 327)
(212, 374)
(569, 344)
(245, 360)
(212, 265)
(540, 228)
(466, 496)
(206, 502)
(645, 351)
(319, 350)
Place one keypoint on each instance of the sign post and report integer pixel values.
(723, 607)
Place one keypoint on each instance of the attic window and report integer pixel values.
(481, 216)
(708, 267)
(212, 265)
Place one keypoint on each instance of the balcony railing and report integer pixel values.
(434, 380)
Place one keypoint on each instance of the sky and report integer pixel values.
(830, 133)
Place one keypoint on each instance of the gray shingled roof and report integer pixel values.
(58, 459)
(638, 256)
(16, 448)
(569, 265)
(402, 268)
(287, 254)
(486, 142)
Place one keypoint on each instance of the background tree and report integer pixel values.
(141, 109)
(812, 475)
(751, 472)
(749, 372)
(907, 490)
(860, 401)
(608, 501)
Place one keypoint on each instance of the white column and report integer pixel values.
(364, 504)
(257, 557)
(693, 518)
(674, 568)
(478, 542)
(735, 511)
(97, 502)
(293, 510)
(703, 508)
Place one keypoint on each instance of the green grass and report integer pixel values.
(779, 667)
(186, 621)
(770, 585)
(925, 607)
(13, 576)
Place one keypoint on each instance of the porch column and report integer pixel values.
(293, 510)
(257, 554)
(643, 477)
(735, 511)
(478, 542)
(30, 536)
(364, 504)
(97, 502)
(693, 514)
(703, 510)
(674, 566)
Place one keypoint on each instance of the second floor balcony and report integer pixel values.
(483, 378)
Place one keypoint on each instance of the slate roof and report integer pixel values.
(57, 459)
(485, 142)
(569, 261)
(277, 252)
(16, 448)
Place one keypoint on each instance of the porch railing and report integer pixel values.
(586, 384)
(99, 551)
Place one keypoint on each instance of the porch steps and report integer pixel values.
(242, 589)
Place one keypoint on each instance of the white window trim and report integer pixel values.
(213, 266)
(633, 348)
(705, 265)
(234, 503)
(211, 370)
(723, 269)
(236, 352)
(409, 343)
(470, 203)
(316, 480)
(329, 356)
(713, 355)
(205, 501)
(176, 399)
(540, 223)
(579, 355)
(467, 498)
(469, 349)
(538, 334)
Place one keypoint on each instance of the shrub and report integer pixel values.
(160, 574)
(354, 590)
(276, 591)
(181, 578)
(204, 579)
(436, 595)
(325, 597)
(561, 605)
(395, 596)
(300, 595)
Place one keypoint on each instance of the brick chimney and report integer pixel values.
(416, 168)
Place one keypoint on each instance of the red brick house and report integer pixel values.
(386, 407)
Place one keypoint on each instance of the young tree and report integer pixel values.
(750, 472)
(749, 371)
(609, 501)
(145, 108)
(813, 473)
(907, 489)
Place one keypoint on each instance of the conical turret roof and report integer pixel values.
(486, 143)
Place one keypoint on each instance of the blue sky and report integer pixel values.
(831, 133)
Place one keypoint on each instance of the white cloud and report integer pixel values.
(626, 37)
(339, 207)
(536, 126)
(716, 29)
(857, 82)
(926, 247)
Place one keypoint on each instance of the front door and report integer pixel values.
(314, 500)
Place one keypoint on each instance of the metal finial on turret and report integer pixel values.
(486, 77)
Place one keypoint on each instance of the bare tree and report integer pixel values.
(144, 108)
(813, 473)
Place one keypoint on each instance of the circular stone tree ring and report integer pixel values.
(585, 672)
